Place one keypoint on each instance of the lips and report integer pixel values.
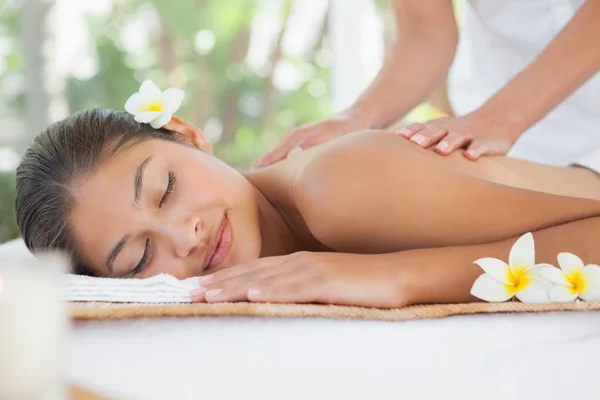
(220, 244)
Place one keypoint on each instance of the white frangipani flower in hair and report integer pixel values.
(519, 278)
(152, 106)
(573, 279)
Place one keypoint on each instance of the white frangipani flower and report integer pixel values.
(573, 279)
(152, 106)
(520, 277)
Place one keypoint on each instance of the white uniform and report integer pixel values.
(498, 39)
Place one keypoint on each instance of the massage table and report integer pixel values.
(525, 356)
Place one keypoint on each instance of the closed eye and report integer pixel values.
(170, 187)
(143, 261)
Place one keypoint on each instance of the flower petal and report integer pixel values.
(591, 275)
(562, 294)
(569, 262)
(522, 253)
(536, 270)
(535, 291)
(488, 289)
(149, 90)
(497, 269)
(162, 120)
(147, 116)
(173, 98)
(556, 276)
(133, 104)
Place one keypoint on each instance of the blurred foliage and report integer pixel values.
(220, 86)
(12, 63)
(8, 226)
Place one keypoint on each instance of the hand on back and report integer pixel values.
(310, 135)
(479, 134)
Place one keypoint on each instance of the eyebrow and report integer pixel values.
(139, 178)
(138, 189)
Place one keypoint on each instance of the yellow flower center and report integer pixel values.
(518, 279)
(155, 106)
(577, 280)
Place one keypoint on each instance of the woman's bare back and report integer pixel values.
(564, 181)
(376, 192)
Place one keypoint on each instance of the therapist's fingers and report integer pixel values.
(476, 149)
(429, 135)
(408, 131)
(489, 147)
(290, 140)
(453, 141)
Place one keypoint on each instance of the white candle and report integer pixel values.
(33, 326)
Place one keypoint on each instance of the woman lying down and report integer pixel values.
(368, 219)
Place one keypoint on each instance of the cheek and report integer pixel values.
(210, 187)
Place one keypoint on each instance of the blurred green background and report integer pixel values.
(249, 69)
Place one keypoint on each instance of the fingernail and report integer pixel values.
(205, 279)
(254, 293)
(443, 146)
(471, 153)
(403, 131)
(213, 293)
(295, 150)
(418, 139)
(197, 294)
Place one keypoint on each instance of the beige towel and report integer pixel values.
(101, 310)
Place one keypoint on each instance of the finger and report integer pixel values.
(408, 131)
(290, 140)
(237, 289)
(316, 139)
(240, 269)
(429, 135)
(197, 295)
(479, 148)
(475, 150)
(451, 142)
(299, 291)
(257, 275)
(294, 151)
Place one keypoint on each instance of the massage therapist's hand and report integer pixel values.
(312, 134)
(478, 132)
(305, 277)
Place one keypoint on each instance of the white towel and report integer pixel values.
(161, 288)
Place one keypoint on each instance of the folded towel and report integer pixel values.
(161, 288)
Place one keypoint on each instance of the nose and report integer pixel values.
(185, 237)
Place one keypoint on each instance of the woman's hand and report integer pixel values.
(479, 133)
(309, 135)
(305, 277)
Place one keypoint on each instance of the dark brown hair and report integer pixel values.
(65, 151)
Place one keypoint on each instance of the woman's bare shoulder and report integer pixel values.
(352, 181)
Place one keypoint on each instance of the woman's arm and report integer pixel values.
(445, 275)
(567, 63)
(562, 67)
(438, 275)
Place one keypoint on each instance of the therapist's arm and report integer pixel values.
(416, 65)
(562, 67)
(567, 63)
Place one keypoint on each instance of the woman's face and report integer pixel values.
(164, 207)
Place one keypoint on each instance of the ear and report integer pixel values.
(190, 134)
